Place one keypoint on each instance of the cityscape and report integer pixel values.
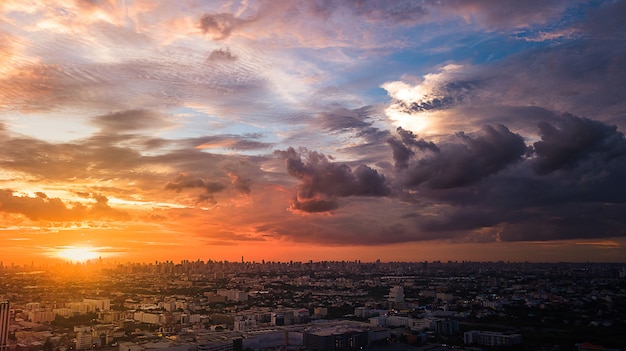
(316, 306)
(312, 175)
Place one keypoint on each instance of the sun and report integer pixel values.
(77, 253)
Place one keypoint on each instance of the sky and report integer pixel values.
(144, 130)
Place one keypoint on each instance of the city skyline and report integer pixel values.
(283, 130)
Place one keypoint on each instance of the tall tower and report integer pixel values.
(4, 325)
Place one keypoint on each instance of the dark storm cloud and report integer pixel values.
(455, 220)
(570, 140)
(402, 147)
(219, 25)
(314, 204)
(469, 160)
(323, 181)
(408, 138)
(186, 181)
(569, 187)
(569, 221)
(401, 153)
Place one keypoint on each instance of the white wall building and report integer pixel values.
(233, 295)
(84, 340)
(396, 294)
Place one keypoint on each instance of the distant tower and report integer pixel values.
(4, 325)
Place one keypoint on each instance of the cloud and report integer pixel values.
(306, 74)
(604, 22)
(44, 208)
(228, 141)
(570, 140)
(569, 221)
(240, 183)
(403, 147)
(130, 120)
(342, 119)
(126, 165)
(496, 14)
(490, 14)
(186, 181)
(468, 160)
(584, 75)
(568, 186)
(404, 12)
(147, 84)
(219, 26)
(323, 181)
(221, 55)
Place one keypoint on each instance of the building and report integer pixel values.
(491, 338)
(41, 316)
(336, 336)
(32, 307)
(366, 312)
(396, 294)
(329, 341)
(98, 304)
(444, 297)
(150, 318)
(4, 325)
(320, 312)
(445, 326)
(103, 334)
(233, 295)
(84, 341)
(216, 346)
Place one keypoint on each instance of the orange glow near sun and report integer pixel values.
(77, 253)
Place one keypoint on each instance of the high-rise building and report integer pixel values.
(84, 339)
(4, 325)
(396, 294)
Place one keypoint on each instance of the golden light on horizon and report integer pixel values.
(77, 253)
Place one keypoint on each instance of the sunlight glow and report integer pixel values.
(77, 253)
(404, 95)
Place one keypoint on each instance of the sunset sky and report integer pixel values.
(143, 130)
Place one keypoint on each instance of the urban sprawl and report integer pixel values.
(317, 306)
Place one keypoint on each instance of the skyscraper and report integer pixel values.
(4, 325)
